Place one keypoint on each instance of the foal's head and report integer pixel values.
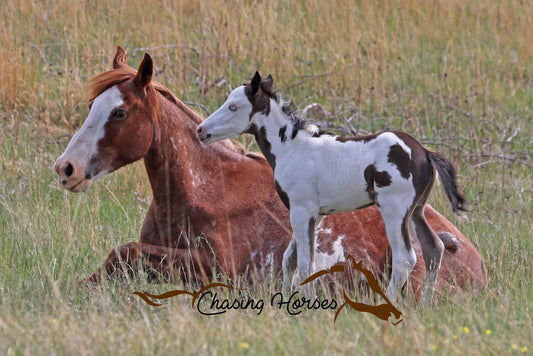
(119, 129)
(237, 114)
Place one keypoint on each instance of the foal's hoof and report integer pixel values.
(427, 300)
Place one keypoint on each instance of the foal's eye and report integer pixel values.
(118, 114)
(232, 108)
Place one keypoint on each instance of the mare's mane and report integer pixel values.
(103, 81)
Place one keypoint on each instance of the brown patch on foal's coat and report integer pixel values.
(401, 159)
(282, 195)
(365, 138)
(263, 143)
(283, 134)
(311, 235)
(380, 179)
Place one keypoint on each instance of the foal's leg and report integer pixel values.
(290, 258)
(303, 225)
(396, 218)
(289, 265)
(432, 250)
(432, 246)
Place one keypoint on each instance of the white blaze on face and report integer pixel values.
(83, 145)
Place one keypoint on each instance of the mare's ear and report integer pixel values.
(120, 58)
(256, 82)
(144, 73)
(267, 83)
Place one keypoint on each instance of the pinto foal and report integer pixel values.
(321, 174)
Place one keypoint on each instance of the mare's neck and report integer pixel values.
(182, 170)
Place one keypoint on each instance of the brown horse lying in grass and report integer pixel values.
(214, 209)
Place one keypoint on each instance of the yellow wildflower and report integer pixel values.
(523, 349)
(488, 332)
(244, 345)
(466, 330)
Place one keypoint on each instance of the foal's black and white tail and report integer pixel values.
(448, 178)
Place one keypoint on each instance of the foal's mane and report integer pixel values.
(299, 122)
(287, 107)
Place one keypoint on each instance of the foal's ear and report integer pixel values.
(144, 73)
(120, 58)
(256, 82)
(267, 83)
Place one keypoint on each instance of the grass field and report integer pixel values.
(458, 75)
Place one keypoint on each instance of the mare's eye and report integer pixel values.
(232, 108)
(118, 114)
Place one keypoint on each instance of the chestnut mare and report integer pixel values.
(215, 209)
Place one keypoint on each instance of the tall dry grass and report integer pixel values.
(360, 54)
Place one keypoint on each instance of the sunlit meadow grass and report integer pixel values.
(455, 74)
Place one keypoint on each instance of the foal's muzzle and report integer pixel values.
(202, 134)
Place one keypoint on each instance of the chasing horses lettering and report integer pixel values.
(207, 302)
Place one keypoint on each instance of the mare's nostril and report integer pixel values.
(69, 170)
